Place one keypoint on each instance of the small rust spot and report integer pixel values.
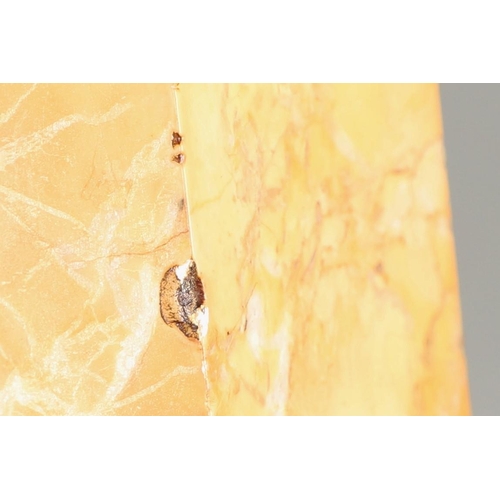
(176, 139)
(181, 296)
(179, 158)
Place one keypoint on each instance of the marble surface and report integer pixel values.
(321, 228)
(92, 214)
(319, 224)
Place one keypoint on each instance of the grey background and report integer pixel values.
(471, 115)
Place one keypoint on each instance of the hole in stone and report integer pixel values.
(182, 300)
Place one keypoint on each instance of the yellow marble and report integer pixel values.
(92, 214)
(319, 225)
(320, 222)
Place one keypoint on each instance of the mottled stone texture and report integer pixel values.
(320, 225)
(320, 222)
(91, 216)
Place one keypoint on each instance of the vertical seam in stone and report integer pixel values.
(202, 338)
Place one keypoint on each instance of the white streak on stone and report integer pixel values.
(178, 371)
(25, 145)
(182, 270)
(200, 319)
(5, 117)
(277, 396)
(137, 307)
(255, 324)
(270, 262)
(34, 207)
